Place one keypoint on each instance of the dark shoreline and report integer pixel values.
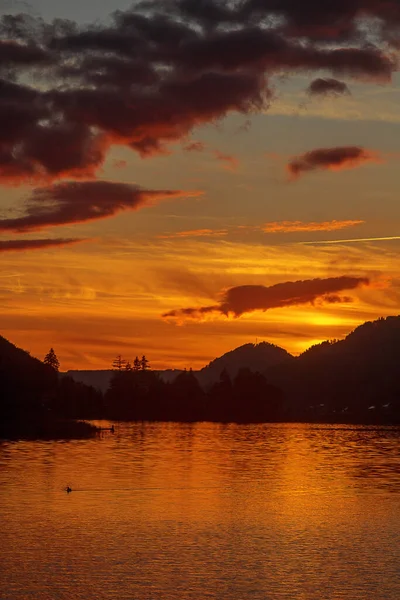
(66, 429)
(59, 429)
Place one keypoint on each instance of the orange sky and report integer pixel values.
(300, 188)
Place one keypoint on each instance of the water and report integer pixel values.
(228, 512)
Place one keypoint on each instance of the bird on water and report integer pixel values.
(68, 489)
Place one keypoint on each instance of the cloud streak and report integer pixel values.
(79, 201)
(270, 227)
(195, 233)
(23, 245)
(330, 159)
(229, 161)
(240, 300)
(195, 146)
(294, 226)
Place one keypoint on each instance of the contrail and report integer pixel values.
(138, 489)
(356, 240)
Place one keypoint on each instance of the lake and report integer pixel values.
(228, 512)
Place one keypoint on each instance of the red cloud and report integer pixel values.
(332, 159)
(21, 245)
(76, 202)
(243, 299)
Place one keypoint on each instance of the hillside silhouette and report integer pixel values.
(36, 402)
(353, 380)
(356, 379)
(256, 357)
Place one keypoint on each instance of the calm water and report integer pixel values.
(165, 511)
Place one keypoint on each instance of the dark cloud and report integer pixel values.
(331, 159)
(153, 73)
(270, 52)
(243, 299)
(13, 54)
(76, 202)
(21, 245)
(328, 87)
(333, 21)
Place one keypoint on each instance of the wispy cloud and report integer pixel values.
(23, 245)
(293, 226)
(195, 233)
(194, 146)
(230, 162)
(269, 227)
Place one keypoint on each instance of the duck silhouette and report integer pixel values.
(68, 489)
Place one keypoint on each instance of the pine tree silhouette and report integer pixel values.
(52, 360)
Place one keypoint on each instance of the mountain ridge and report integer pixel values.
(353, 379)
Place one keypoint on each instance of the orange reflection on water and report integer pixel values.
(204, 510)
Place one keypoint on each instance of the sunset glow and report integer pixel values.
(220, 197)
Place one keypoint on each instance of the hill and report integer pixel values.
(25, 381)
(256, 357)
(100, 380)
(357, 378)
(34, 402)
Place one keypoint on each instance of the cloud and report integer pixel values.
(239, 300)
(245, 127)
(340, 21)
(151, 74)
(119, 163)
(271, 227)
(79, 201)
(196, 233)
(230, 162)
(331, 159)
(293, 226)
(21, 245)
(327, 87)
(194, 146)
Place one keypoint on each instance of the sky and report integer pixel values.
(182, 177)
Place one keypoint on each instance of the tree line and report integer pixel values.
(143, 395)
(138, 364)
(352, 380)
(136, 392)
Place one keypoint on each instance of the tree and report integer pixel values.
(118, 363)
(136, 364)
(128, 366)
(52, 360)
(144, 363)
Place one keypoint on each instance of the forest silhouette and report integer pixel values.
(355, 380)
